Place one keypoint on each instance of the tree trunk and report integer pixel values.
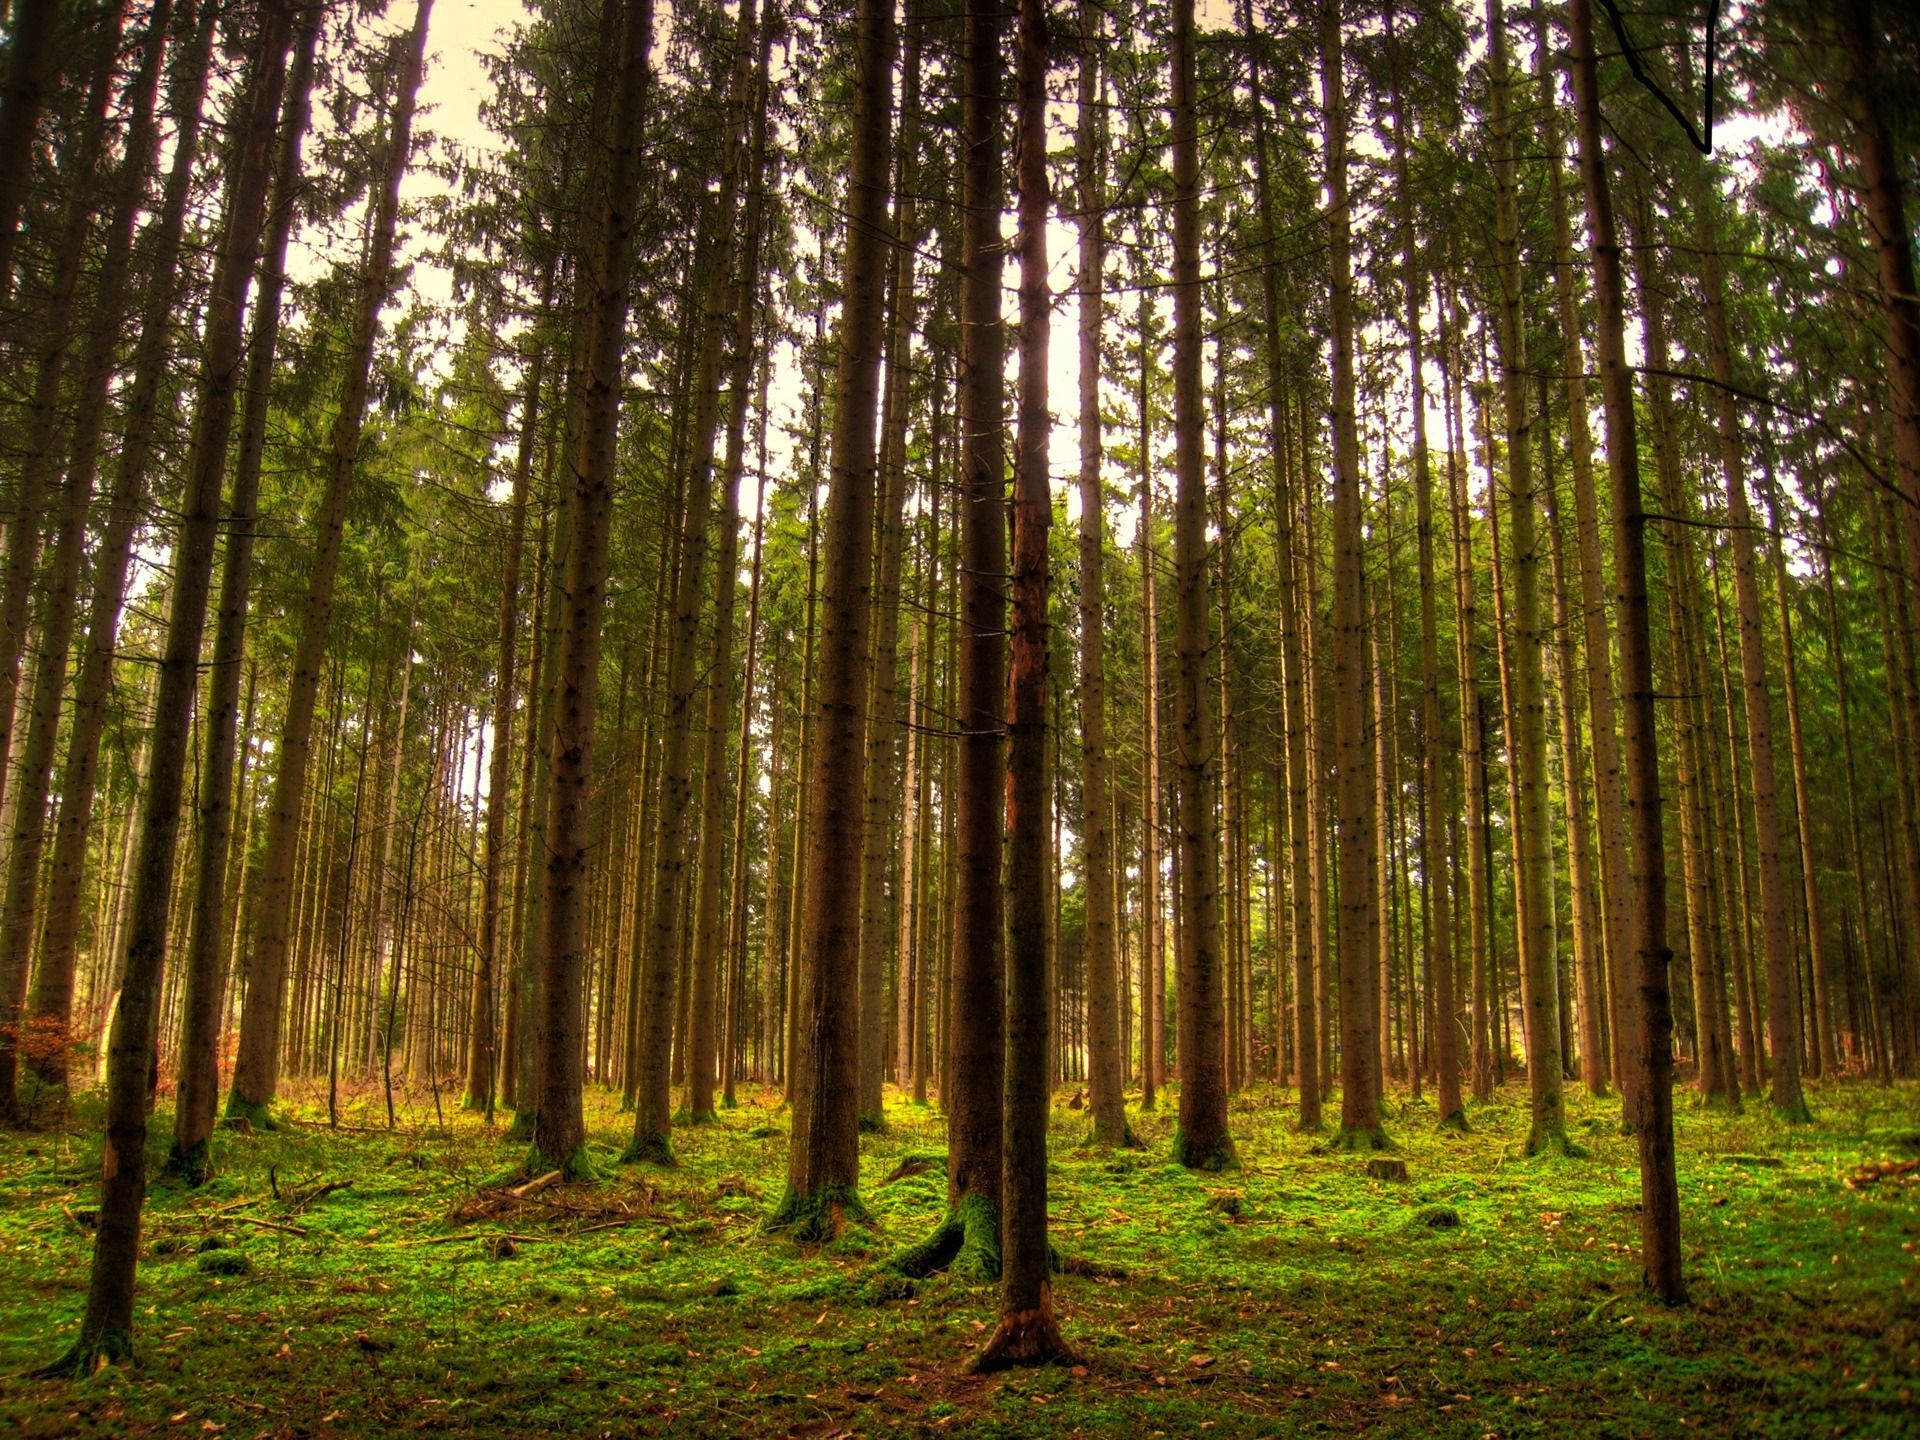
(823, 1163)
(1105, 1085)
(209, 943)
(1653, 1115)
(106, 1329)
(1201, 1140)
(1027, 1334)
(257, 1066)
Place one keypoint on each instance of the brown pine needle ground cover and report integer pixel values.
(361, 1283)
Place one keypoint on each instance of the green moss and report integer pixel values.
(1359, 1139)
(245, 1115)
(650, 1148)
(1198, 1156)
(191, 1165)
(650, 1302)
(818, 1215)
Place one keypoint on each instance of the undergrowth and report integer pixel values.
(361, 1282)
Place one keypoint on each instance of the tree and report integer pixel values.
(1653, 1114)
(823, 1167)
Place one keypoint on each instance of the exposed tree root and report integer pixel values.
(817, 1216)
(965, 1243)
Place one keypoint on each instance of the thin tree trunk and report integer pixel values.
(257, 1068)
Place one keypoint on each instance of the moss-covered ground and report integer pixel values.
(1485, 1294)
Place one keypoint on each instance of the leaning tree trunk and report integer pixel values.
(208, 945)
(257, 1066)
(1659, 1190)
(53, 987)
(59, 584)
(1357, 853)
(823, 1164)
(106, 1329)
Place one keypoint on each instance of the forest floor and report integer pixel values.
(1486, 1294)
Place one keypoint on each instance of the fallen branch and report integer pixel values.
(270, 1225)
(535, 1185)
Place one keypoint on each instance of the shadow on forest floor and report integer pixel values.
(1484, 1294)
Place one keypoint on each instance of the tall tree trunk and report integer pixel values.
(257, 1067)
(106, 1329)
(1609, 813)
(1105, 1085)
(1533, 840)
(1783, 1028)
(883, 799)
(1027, 1334)
(1201, 1140)
(53, 987)
(483, 1056)
(59, 585)
(1152, 930)
(974, 1055)
(33, 72)
(747, 153)
(1438, 927)
(823, 1163)
(1653, 1115)
(209, 946)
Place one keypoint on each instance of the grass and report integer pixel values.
(1486, 1294)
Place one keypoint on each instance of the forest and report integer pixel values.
(999, 717)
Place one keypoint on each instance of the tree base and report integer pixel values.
(1125, 1140)
(1025, 1338)
(1211, 1156)
(1359, 1139)
(521, 1130)
(89, 1355)
(191, 1165)
(246, 1115)
(697, 1117)
(1793, 1110)
(872, 1125)
(1456, 1121)
(817, 1216)
(1549, 1138)
(650, 1148)
(966, 1243)
(1721, 1102)
(575, 1167)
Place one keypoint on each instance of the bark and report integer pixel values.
(1533, 840)
(1153, 933)
(53, 986)
(106, 1329)
(969, 1235)
(748, 151)
(1027, 1334)
(1201, 1140)
(1609, 813)
(1105, 1085)
(883, 797)
(33, 72)
(256, 1068)
(823, 1162)
(59, 584)
(1653, 1117)
(209, 946)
